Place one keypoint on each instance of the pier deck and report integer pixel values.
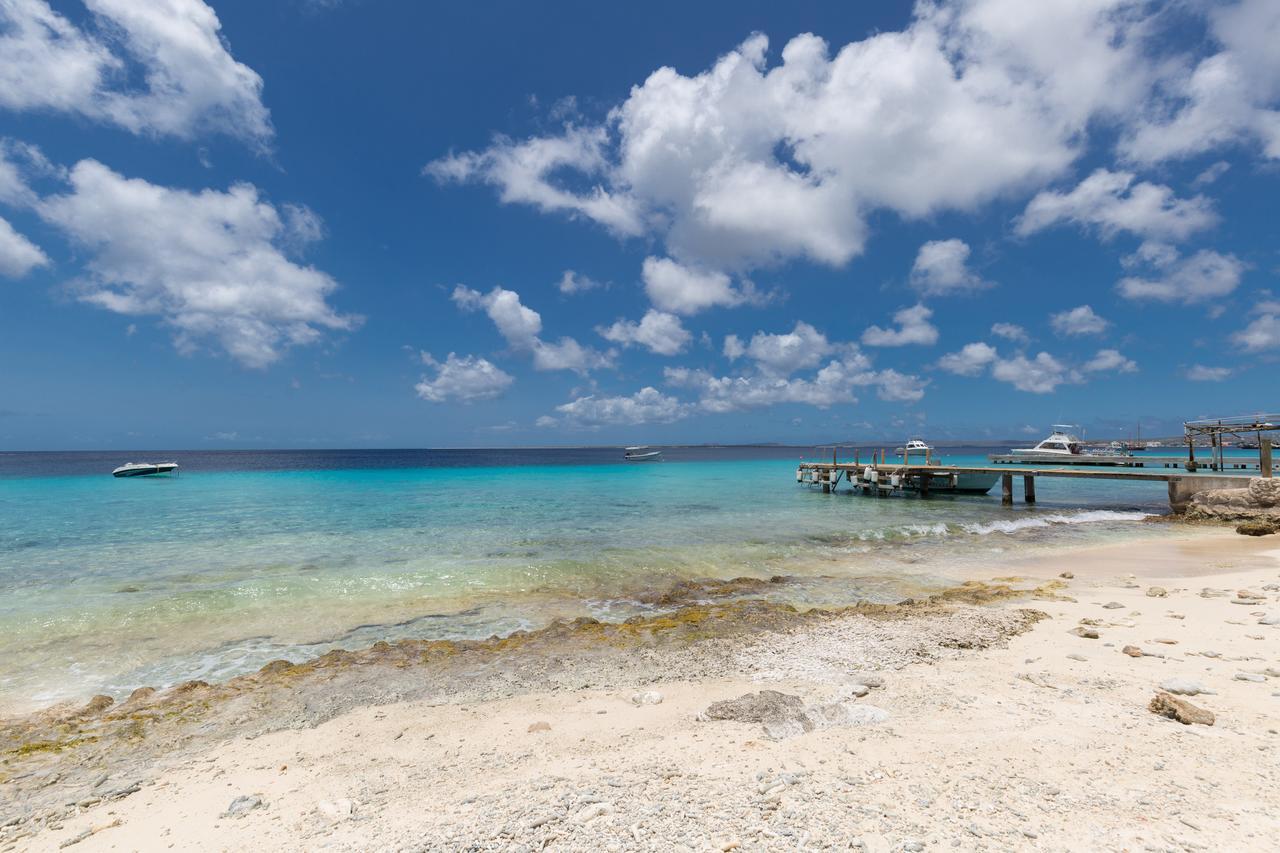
(888, 477)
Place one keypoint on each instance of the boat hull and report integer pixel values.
(144, 470)
(655, 456)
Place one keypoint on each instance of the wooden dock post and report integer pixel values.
(1006, 489)
(1029, 489)
(925, 477)
(1264, 457)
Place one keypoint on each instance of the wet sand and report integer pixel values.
(1004, 729)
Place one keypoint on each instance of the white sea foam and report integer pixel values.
(1013, 525)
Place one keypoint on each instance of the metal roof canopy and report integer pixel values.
(1216, 428)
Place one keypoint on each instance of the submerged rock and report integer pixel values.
(1168, 705)
(1256, 527)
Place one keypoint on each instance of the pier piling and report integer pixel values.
(1264, 456)
(1029, 489)
(1006, 489)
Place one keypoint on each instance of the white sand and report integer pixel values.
(1015, 747)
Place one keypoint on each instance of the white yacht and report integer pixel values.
(642, 453)
(145, 469)
(1061, 443)
(913, 447)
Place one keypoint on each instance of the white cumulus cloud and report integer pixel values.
(1108, 360)
(942, 267)
(1201, 373)
(209, 263)
(1039, 375)
(161, 67)
(575, 282)
(657, 332)
(682, 289)
(1011, 332)
(1196, 278)
(521, 327)
(913, 328)
(18, 255)
(467, 379)
(1111, 202)
(646, 406)
(971, 360)
(1082, 320)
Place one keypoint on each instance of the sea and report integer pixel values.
(250, 556)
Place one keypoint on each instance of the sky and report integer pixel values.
(363, 223)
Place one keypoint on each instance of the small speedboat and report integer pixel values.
(914, 446)
(145, 469)
(641, 453)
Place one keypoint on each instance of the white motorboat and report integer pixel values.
(642, 453)
(1063, 442)
(145, 469)
(913, 447)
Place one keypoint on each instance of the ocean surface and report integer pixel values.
(246, 557)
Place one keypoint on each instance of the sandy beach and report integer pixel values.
(995, 725)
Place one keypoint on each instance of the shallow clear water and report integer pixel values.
(247, 557)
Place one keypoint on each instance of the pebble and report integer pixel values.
(242, 805)
(1185, 687)
(540, 726)
(1157, 592)
(1067, 575)
(591, 812)
(1087, 633)
(1270, 619)
(647, 697)
(1249, 676)
(336, 810)
(1132, 651)
(1077, 657)
(859, 690)
(873, 681)
(1112, 605)
(1166, 641)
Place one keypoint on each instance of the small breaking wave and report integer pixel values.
(905, 532)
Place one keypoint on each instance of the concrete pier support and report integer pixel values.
(1029, 489)
(1264, 456)
(1006, 489)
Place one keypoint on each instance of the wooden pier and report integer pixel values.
(886, 478)
(1097, 460)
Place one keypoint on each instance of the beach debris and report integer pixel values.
(1157, 592)
(646, 697)
(1168, 705)
(1185, 686)
(592, 811)
(1132, 651)
(540, 726)
(1084, 631)
(1250, 676)
(1067, 575)
(242, 805)
(1112, 605)
(336, 811)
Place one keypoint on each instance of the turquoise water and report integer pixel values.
(111, 584)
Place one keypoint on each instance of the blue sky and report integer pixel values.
(364, 223)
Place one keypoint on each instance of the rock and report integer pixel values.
(539, 726)
(336, 810)
(1166, 641)
(1157, 592)
(1211, 654)
(1256, 527)
(1168, 705)
(242, 805)
(97, 705)
(859, 690)
(913, 846)
(832, 715)
(756, 707)
(647, 697)
(1086, 632)
(142, 694)
(1077, 657)
(1067, 575)
(1112, 605)
(1270, 619)
(1132, 651)
(873, 681)
(1264, 491)
(1249, 676)
(1248, 602)
(1185, 686)
(1094, 622)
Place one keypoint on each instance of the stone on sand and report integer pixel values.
(1157, 592)
(1168, 705)
(1086, 632)
(242, 805)
(1185, 686)
(647, 697)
